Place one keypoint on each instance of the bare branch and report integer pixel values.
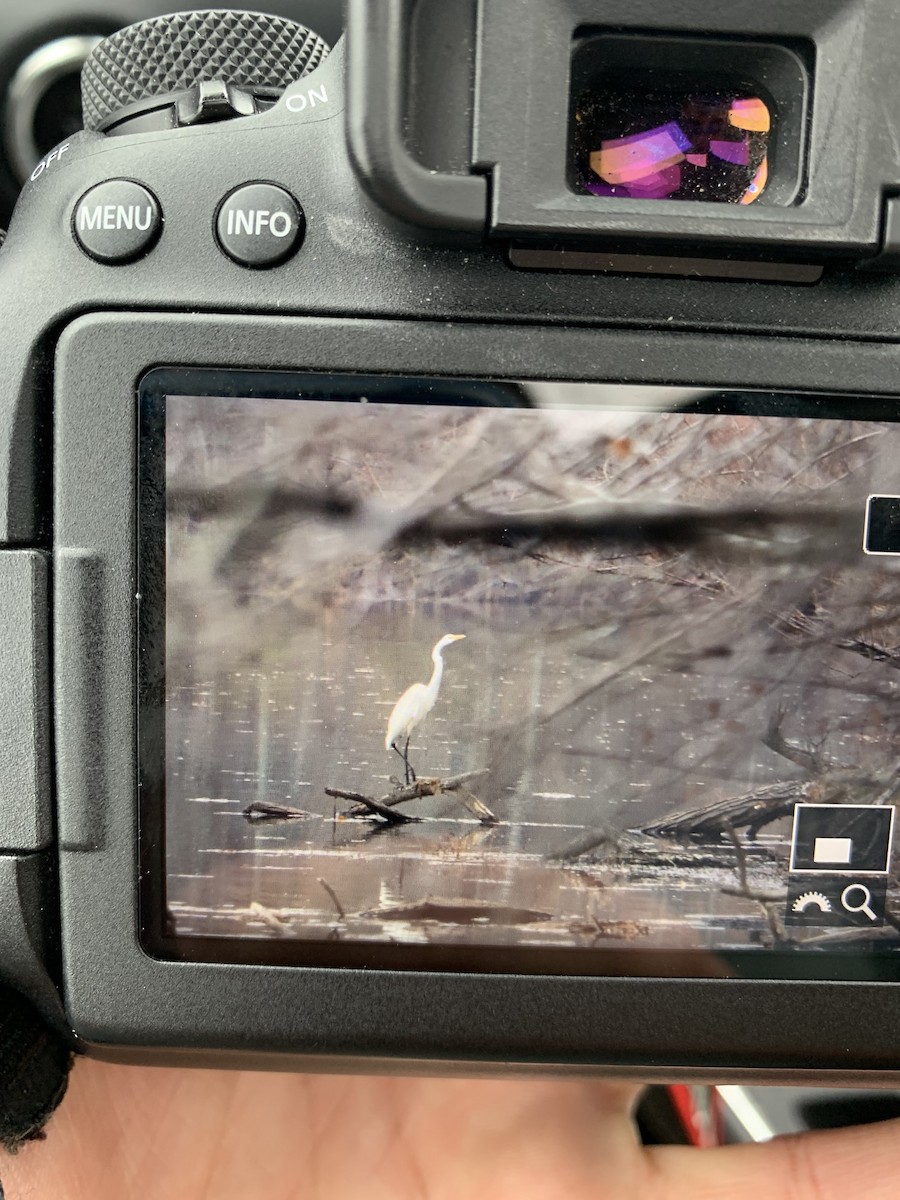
(776, 741)
(381, 810)
(334, 899)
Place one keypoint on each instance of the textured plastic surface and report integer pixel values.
(25, 818)
(118, 997)
(172, 53)
(379, 105)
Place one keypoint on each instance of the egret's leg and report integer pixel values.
(410, 773)
(397, 750)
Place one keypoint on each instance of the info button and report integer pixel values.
(117, 221)
(260, 225)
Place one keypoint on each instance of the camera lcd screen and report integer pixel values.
(549, 677)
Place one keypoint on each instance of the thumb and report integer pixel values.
(863, 1163)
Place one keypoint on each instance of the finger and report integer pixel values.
(130, 1133)
(863, 1163)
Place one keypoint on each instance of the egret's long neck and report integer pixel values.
(436, 675)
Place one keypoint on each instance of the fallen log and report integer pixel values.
(459, 912)
(260, 810)
(366, 805)
(754, 810)
(751, 810)
(427, 787)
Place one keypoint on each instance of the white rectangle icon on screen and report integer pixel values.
(834, 851)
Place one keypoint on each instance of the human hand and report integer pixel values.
(134, 1133)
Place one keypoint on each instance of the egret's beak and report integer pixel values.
(457, 637)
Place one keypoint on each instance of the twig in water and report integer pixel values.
(476, 808)
(334, 899)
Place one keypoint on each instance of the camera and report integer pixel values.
(451, 528)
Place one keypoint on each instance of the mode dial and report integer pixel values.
(195, 66)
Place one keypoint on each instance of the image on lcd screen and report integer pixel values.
(580, 674)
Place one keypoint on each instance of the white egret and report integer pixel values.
(415, 704)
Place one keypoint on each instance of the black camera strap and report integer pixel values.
(34, 1071)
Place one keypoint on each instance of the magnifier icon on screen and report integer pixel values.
(865, 896)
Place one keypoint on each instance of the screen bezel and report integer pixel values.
(130, 1006)
(156, 935)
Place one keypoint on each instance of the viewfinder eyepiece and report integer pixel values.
(672, 143)
(667, 117)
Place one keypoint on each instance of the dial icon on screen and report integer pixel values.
(811, 900)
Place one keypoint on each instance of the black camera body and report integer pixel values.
(407, 209)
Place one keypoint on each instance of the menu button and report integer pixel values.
(117, 221)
